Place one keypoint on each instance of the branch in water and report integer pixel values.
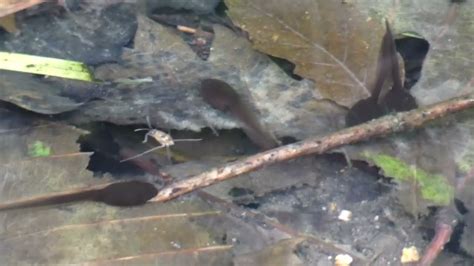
(379, 127)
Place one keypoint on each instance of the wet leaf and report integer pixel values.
(87, 231)
(45, 96)
(86, 36)
(330, 42)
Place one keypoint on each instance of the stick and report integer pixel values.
(447, 219)
(379, 127)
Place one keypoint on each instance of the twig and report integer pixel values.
(446, 221)
(378, 127)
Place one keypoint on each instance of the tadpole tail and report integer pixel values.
(51, 199)
(253, 129)
(387, 65)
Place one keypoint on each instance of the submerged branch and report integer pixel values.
(379, 127)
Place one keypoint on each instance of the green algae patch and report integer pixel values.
(432, 187)
(39, 149)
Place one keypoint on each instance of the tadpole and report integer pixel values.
(223, 97)
(387, 93)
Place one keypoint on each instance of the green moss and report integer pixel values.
(39, 149)
(434, 188)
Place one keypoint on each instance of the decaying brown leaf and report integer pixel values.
(330, 42)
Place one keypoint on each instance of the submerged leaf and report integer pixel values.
(83, 232)
(329, 41)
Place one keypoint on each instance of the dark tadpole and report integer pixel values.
(223, 97)
(388, 94)
(127, 193)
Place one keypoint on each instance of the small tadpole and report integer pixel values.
(165, 141)
(221, 96)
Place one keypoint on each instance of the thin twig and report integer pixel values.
(447, 219)
(378, 127)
